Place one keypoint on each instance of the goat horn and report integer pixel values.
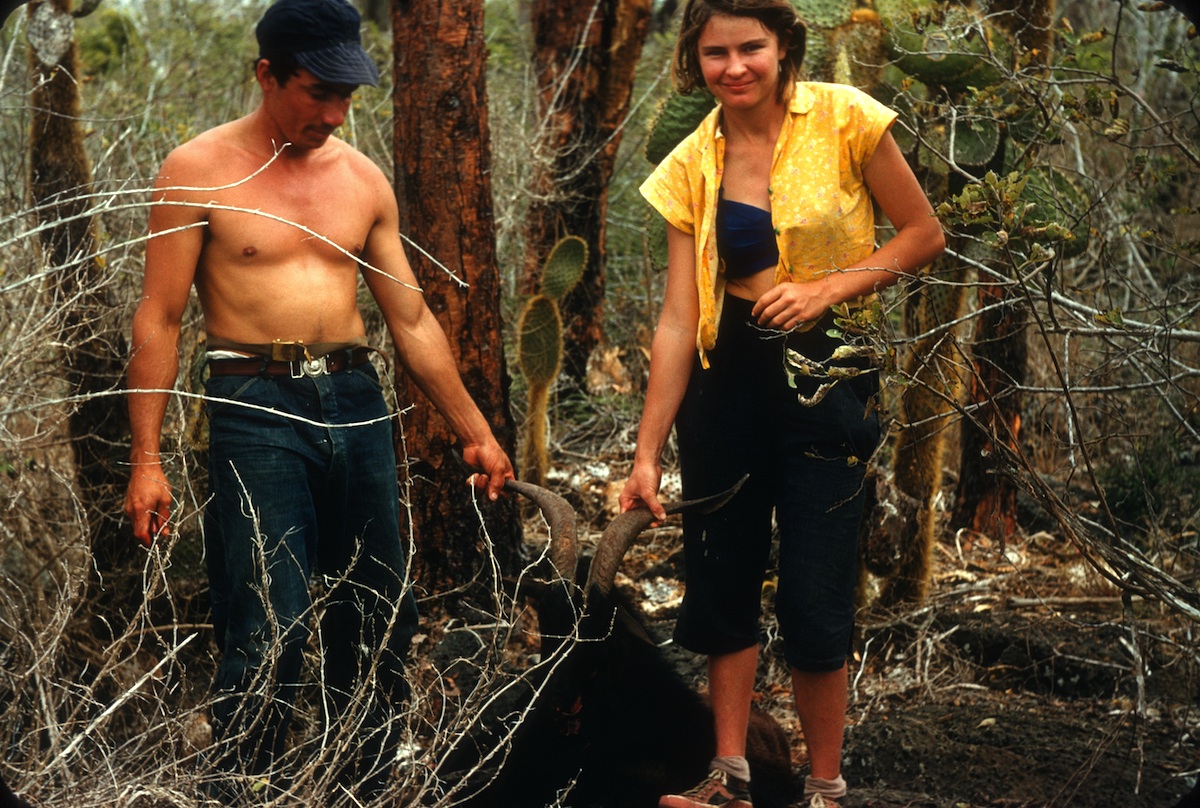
(621, 532)
(560, 516)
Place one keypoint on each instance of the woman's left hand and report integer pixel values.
(792, 305)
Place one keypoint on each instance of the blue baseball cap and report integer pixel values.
(321, 35)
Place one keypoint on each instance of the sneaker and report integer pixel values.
(719, 788)
(821, 802)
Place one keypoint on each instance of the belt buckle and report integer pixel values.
(310, 368)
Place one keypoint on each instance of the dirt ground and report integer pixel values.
(1016, 684)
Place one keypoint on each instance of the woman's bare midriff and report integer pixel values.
(751, 287)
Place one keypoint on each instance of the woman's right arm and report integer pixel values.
(671, 357)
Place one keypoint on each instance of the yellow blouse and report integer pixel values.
(821, 209)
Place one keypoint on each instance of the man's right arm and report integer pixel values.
(172, 253)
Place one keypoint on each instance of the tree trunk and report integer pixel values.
(917, 460)
(444, 189)
(986, 498)
(80, 294)
(585, 56)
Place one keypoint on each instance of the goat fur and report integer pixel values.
(8, 799)
(613, 724)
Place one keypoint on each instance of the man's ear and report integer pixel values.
(263, 75)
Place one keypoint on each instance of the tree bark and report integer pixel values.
(986, 499)
(585, 56)
(79, 292)
(443, 186)
(917, 459)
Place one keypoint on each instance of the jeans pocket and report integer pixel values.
(367, 373)
(222, 392)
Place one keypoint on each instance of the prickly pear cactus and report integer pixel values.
(956, 50)
(564, 267)
(844, 43)
(539, 341)
(676, 119)
(540, 348)
(825, 13)
(1059, 207)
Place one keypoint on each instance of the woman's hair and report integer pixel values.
(777, 16)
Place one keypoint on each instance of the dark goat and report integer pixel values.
(8, 799)
(610, 722)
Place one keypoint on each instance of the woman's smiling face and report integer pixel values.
(739, 58)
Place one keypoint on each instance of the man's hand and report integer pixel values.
(495, 464)
(148, 502)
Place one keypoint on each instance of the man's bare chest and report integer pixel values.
(320, 218)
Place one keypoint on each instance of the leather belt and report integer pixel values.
(333, 362)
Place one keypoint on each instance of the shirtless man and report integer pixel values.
(273, 219)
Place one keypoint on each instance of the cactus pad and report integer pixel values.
(564, 267)
(824, 13)
(676, 119)
(539, 341)
(956, 53)
(1058, 200)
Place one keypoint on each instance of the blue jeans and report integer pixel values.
(805, 464)
(290, 498)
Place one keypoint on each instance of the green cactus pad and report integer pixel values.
(564, 267)
(656, 239)
(860, 56)
(539, 341)
(906, 122)
(824, 13)
(956, 53)
(975, 141)
(1058, 200)
(677, 118)
(900, 9)
(819, 56)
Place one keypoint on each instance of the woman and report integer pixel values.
(770, 224)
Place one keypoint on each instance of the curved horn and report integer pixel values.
(560, 516)
(621, 532)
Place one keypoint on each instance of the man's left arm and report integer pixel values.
(423, 349)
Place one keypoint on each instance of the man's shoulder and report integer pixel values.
(221, 135)
(201, 153)
(354, 159)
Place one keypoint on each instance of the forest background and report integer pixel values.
(1040, 380)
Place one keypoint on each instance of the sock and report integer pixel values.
(832, 789)
(733, 765)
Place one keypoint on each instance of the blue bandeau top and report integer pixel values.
(745, 238)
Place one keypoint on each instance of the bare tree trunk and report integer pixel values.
(917, 460)
(986, 499)
(93, 348)
(585, 55)
(444, 189)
